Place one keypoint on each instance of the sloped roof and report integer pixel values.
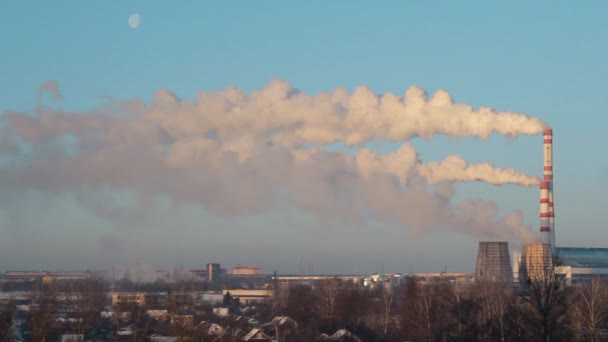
(256, 335)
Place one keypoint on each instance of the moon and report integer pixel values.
(134, 20)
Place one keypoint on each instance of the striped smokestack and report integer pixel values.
(551, 218)
(545, 227)
(547, 212)
(548, 154)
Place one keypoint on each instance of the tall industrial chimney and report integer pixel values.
(551, 218)
(545, 225)
(547, 214)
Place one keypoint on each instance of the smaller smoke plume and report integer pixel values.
(456, 169)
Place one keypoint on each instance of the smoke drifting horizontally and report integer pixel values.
(234, 153)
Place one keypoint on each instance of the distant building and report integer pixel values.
(246, 270)
(47, 276)
(198, 274)
(580, 264)
(123, 298)
(256, 335)
(214, 272)
(582, 257)
(212, 297)
(251, 296)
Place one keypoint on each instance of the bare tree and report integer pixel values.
(181, 325)
(84, 300)
(548, 299)
(421, 313)
(460, 307)
(301, 306)
(327, 293)
(7, 312)
(387, 308)
(140, 321)
(39, 321)
(494, 300)
(409, 321)
(517, 325)
(576, 321)
(592, 299)
(134, 316)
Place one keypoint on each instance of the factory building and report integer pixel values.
(47, 276)
(583, 257)
(212, 273)
(580, 264)
(246, 270)
(250, 296)
(493, 262)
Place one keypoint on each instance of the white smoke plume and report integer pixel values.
(455, 168)
(234, 153)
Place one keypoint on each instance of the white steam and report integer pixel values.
(455, 168)
(234, 153)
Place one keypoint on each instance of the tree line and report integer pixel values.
(538, 309)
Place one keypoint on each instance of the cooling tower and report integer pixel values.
(493, 262)
(536, 262)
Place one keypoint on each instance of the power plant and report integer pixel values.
(573, 262)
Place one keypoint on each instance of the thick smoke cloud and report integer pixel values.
(233, 153)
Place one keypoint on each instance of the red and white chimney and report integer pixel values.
(545, 225)
(551, 218)
(547, 213)
(548, 155)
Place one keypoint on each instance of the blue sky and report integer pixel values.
(546, 59)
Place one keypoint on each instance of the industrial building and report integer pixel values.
(212, 273)
(246, 270)
(47, 276)
(580, 264)
(250, 296)
(494, 262)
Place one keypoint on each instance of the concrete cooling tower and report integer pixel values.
(536, 262)
(494, 262)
